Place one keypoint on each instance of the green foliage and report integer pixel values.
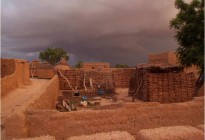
(53, 55)
(121, 66)
(189, 27)
(78, 65)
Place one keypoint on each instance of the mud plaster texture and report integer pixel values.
(132, 117)
(41, 97)
(45, 73)
(171, 133)
(39, 138)
(114, 135)
(14, 74)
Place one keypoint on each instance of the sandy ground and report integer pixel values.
(16, 98)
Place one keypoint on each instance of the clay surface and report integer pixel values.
(171, 133)
(114, 135)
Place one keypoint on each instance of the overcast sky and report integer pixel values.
(115, 31)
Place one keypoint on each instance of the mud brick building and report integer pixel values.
(163, 58)
(45, 71)
(94, 65)
(14, 74)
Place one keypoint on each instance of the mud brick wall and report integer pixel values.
(163, 87)
(94, 65)
(15, 73)
(77, 76)
(116, 77)
(163, 58)
(45, 73)
(121, 76)
(130, 118)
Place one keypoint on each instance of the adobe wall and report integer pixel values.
(172, 58)
(94, 65)
(163, 58)
(131, 118)
(160, 58)
(15, 73)
(45, 73)
(121, 76)
(16, 125)
(171, 133)
(48, 98)
(77, 75)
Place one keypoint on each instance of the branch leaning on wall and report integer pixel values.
(76, 87)
(84, 82)
(32, 71)
(75, 91)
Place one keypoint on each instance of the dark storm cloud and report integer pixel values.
(116, 31)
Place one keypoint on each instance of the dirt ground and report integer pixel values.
(16, 98)
(106, 101)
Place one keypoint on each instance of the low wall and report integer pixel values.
(15, 73)
(45, 73)
(48, 98)
(171, 133)
(77, 76)
(121, 76)
(131, 118)
(16, 126)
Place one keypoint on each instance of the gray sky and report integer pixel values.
(115, 31)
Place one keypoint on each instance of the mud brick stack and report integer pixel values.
(162, 84)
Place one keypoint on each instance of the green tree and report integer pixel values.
(121, 66)
(78, 65)
(189, 27)
(53, 55)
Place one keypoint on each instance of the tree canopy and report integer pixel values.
(189, 27)
(53, 55)
(78, 65)
(121, 66)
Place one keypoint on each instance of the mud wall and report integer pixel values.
(76, 77)
(48, 98)
(94, 65)
(15, 73)
(17, 125)
(131, 118)
(45, 73)
(163, 58)
(121, 77)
